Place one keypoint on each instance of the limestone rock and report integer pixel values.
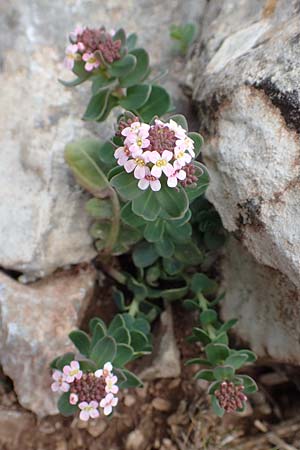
(166, 356)
(43, 224)
(34, 324)
(245, 81)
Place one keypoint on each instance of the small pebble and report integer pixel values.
(161, 404)
(96, 427)
(129, 400)
(135, 440)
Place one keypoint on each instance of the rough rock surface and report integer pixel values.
(166, 356)
(245, 80)
(42, 220)
(34, 324)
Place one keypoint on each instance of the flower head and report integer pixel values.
(72, 371)
(111, 386)
(71, 56)
(176, 174)
(122, 154)
(137, 140)
(149, 180)
(137, 166)
(91, 62)
(230, 396)
(106, 371)
(60, 384)
(108, 403)
(88, 410)
(161, 163)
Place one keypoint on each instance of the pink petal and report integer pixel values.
(108, 366)
(78, 375)
(94, 413)
(83, 405)
(126, 131)
(130, 165)
(115, 401)
(69, 63)
(86, 56)
(66, 370)
(107, 410)
(57, 374)
(181, 175)
(65, 387)
(154, 156)
(155, 185)
(98, 373)
(119, 152)
(74, 365)
(114, 389)
(145, 143)
(143, 184)
(94, 404)
(102, 403)
(172, 181)
(167, 155)
(139, 172)
(89, 67)
(168, 170)
(156, 171)
(84, 415)
(54, 387)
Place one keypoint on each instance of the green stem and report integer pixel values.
(134, 307)
(204, 305)
(114, 273)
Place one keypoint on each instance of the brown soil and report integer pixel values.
(170, 414)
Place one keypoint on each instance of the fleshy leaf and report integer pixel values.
(136, 96)
(157, 104)
(140, 71)
(81, 341)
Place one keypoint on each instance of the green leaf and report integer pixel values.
(248, 383)
(116, 323)
(100, 82)
(205, 374)
(112, 101)
(223, 372)
(140, 71)
(188, 253)
(228, 325)
(93, 323)
(174, 294)
(87, 365)
(146, 205)
(251, 357)
(171, 266)
(106, 153)
(221, 338)
(208, 316)
(99, 208)
(214, 387)
(129, 217)
(120, 35)
(123, 356)
(200, 361)
(217, 353)
(157, 104)
(216, 407)
(201, 283)
(64, 406)
(198, 142)
(138, 341)
(201, 335)
(53, 364)
(236, 360)
(165, 247)
(136, 96)
(81, 341)
(174, 203)
(122, 67)
(142, 325)
(96, 106)
(154, 231)
(202, 183)
(144, 254)
(131, 380)
(64, 360)
(191, 304)
(180, 120)
(180, 233)
(74, 82)
(131, 41)
(138, 288)
(119, 300)
(121, 335)
(104, 351)
(81, 156)
(126, 185)
(99, 332)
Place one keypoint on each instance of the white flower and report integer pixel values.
(186, 144)
(181, 157)
(88, 410)
(111, 381)
(122, 154)
(73, 399)
(60, 384)
(175, 175)
(149, 180)
(72, 371)
(180, 132)
(107, 404)
(161, 162)
(138, 165)
(105, 372)
(71, 56)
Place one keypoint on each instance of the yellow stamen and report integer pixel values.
(161, 163)
(139, 162)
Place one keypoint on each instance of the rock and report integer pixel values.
(96, 427)
(42, 216)
(160, 404)
(34, 324)
(13, 424)
(166, 356)
(135, 440)
(129, 400)
(244, 78)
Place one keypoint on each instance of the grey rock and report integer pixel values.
(35, 321)
(43, 224)
(166, 356)
(245, 81)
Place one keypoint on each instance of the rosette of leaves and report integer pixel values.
(122, 83)
(220, 361)
(183, 35)
(125, 339)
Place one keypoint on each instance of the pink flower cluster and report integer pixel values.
(89, 391)
(155, 151)
(93, 46)
(231, 396)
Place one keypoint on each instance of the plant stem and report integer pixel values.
(114, 273)
(204, 305)
(134, 307)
